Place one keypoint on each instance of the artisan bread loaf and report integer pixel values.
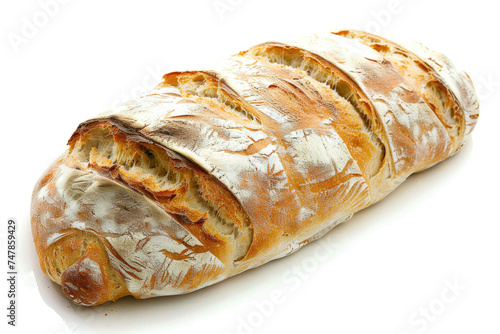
(216, 172)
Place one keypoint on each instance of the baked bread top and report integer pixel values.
(215, 172)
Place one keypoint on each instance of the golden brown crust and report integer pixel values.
(454, 107)
(216, 172)
(75, 259)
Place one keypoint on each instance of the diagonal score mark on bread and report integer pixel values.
(314, 68)
(188, 194)
(208, 88)
(423, 78)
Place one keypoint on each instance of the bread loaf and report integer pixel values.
(215, 172)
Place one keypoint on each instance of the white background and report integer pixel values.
(388, 270)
